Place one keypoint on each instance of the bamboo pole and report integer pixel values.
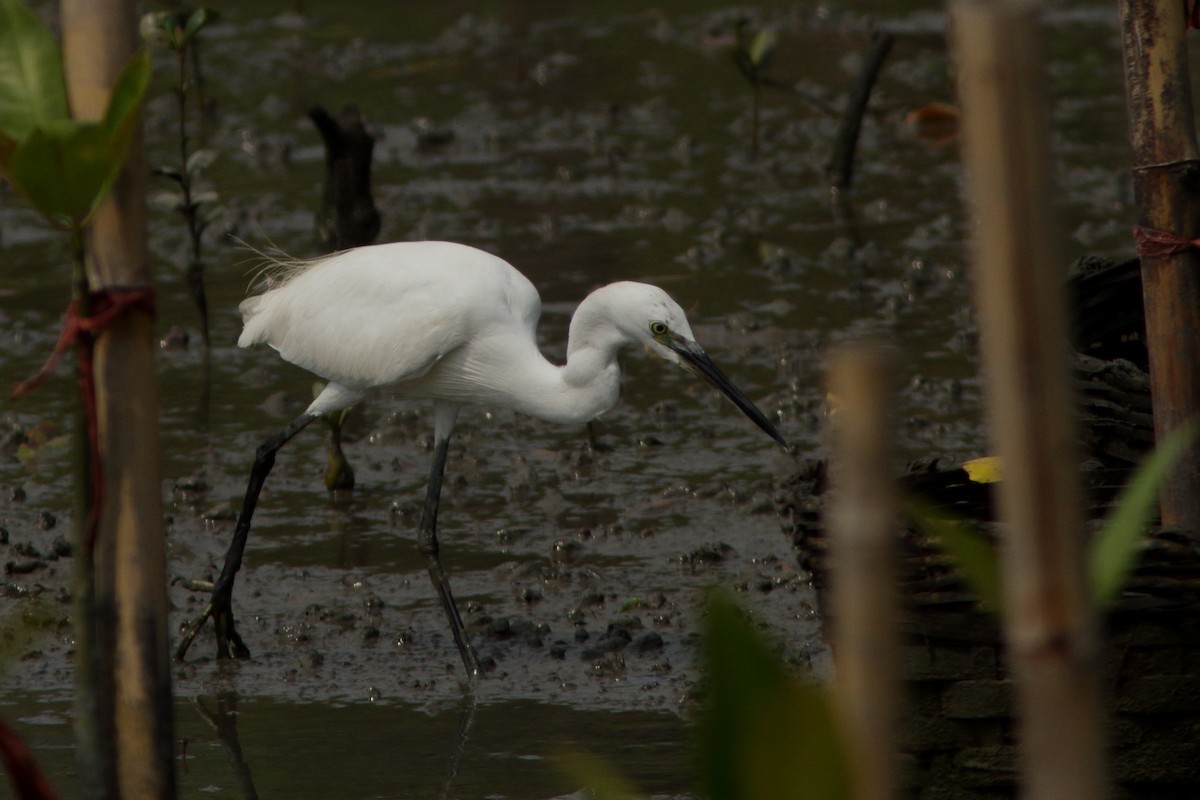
(1050, 623)
(863, 549)
(1166, 176)
(99, 37)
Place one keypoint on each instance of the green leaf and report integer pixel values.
(60, 168)
(764, 735)
(127, 94)
(762, 47)
(1115, 549)
(200, 160)
(171, 26)
(65, 168)
(197, 21)
(32, 89)
(972, 553)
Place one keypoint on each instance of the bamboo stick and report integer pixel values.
(1050, 623)
(1167, 186)
(863, 548)
(99, 37)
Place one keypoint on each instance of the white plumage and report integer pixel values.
(443, 321)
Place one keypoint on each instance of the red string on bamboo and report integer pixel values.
(107, 306)
(1162, 244)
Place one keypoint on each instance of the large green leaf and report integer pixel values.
(764, 735)
(128, 92)
(1115, 549)
(65, 168)
(32, 90)
(61, 168)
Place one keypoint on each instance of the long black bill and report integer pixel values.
(696, 361)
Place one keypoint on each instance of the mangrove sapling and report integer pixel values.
(179, 31)
(752, 53)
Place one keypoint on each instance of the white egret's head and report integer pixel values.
(647, 314)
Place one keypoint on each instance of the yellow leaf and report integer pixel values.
(988, 469)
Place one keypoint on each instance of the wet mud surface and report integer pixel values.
(583, 148)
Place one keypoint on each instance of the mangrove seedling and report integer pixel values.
(179, 31)
(752, 54)
(753, 51)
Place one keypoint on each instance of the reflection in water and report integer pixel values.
(235, 745)
(221, 714)
(466, 718)
(223, 720)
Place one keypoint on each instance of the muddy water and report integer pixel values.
(584, 146)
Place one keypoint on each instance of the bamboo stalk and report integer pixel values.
(99, 37)
(1167, 186)
(863, 548)
(1050, 623)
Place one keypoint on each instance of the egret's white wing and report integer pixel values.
(381, 315)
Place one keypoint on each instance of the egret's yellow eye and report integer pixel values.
(659, 328)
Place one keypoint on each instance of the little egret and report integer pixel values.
(455, 325)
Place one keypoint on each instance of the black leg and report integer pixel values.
(220, 607)
(427, 537)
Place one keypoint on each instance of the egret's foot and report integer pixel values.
(228, 640)
(222, 617)
(593, 440)
(229, 643)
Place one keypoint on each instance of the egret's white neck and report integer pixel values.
(589, 383)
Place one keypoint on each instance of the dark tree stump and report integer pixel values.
(347, 216)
